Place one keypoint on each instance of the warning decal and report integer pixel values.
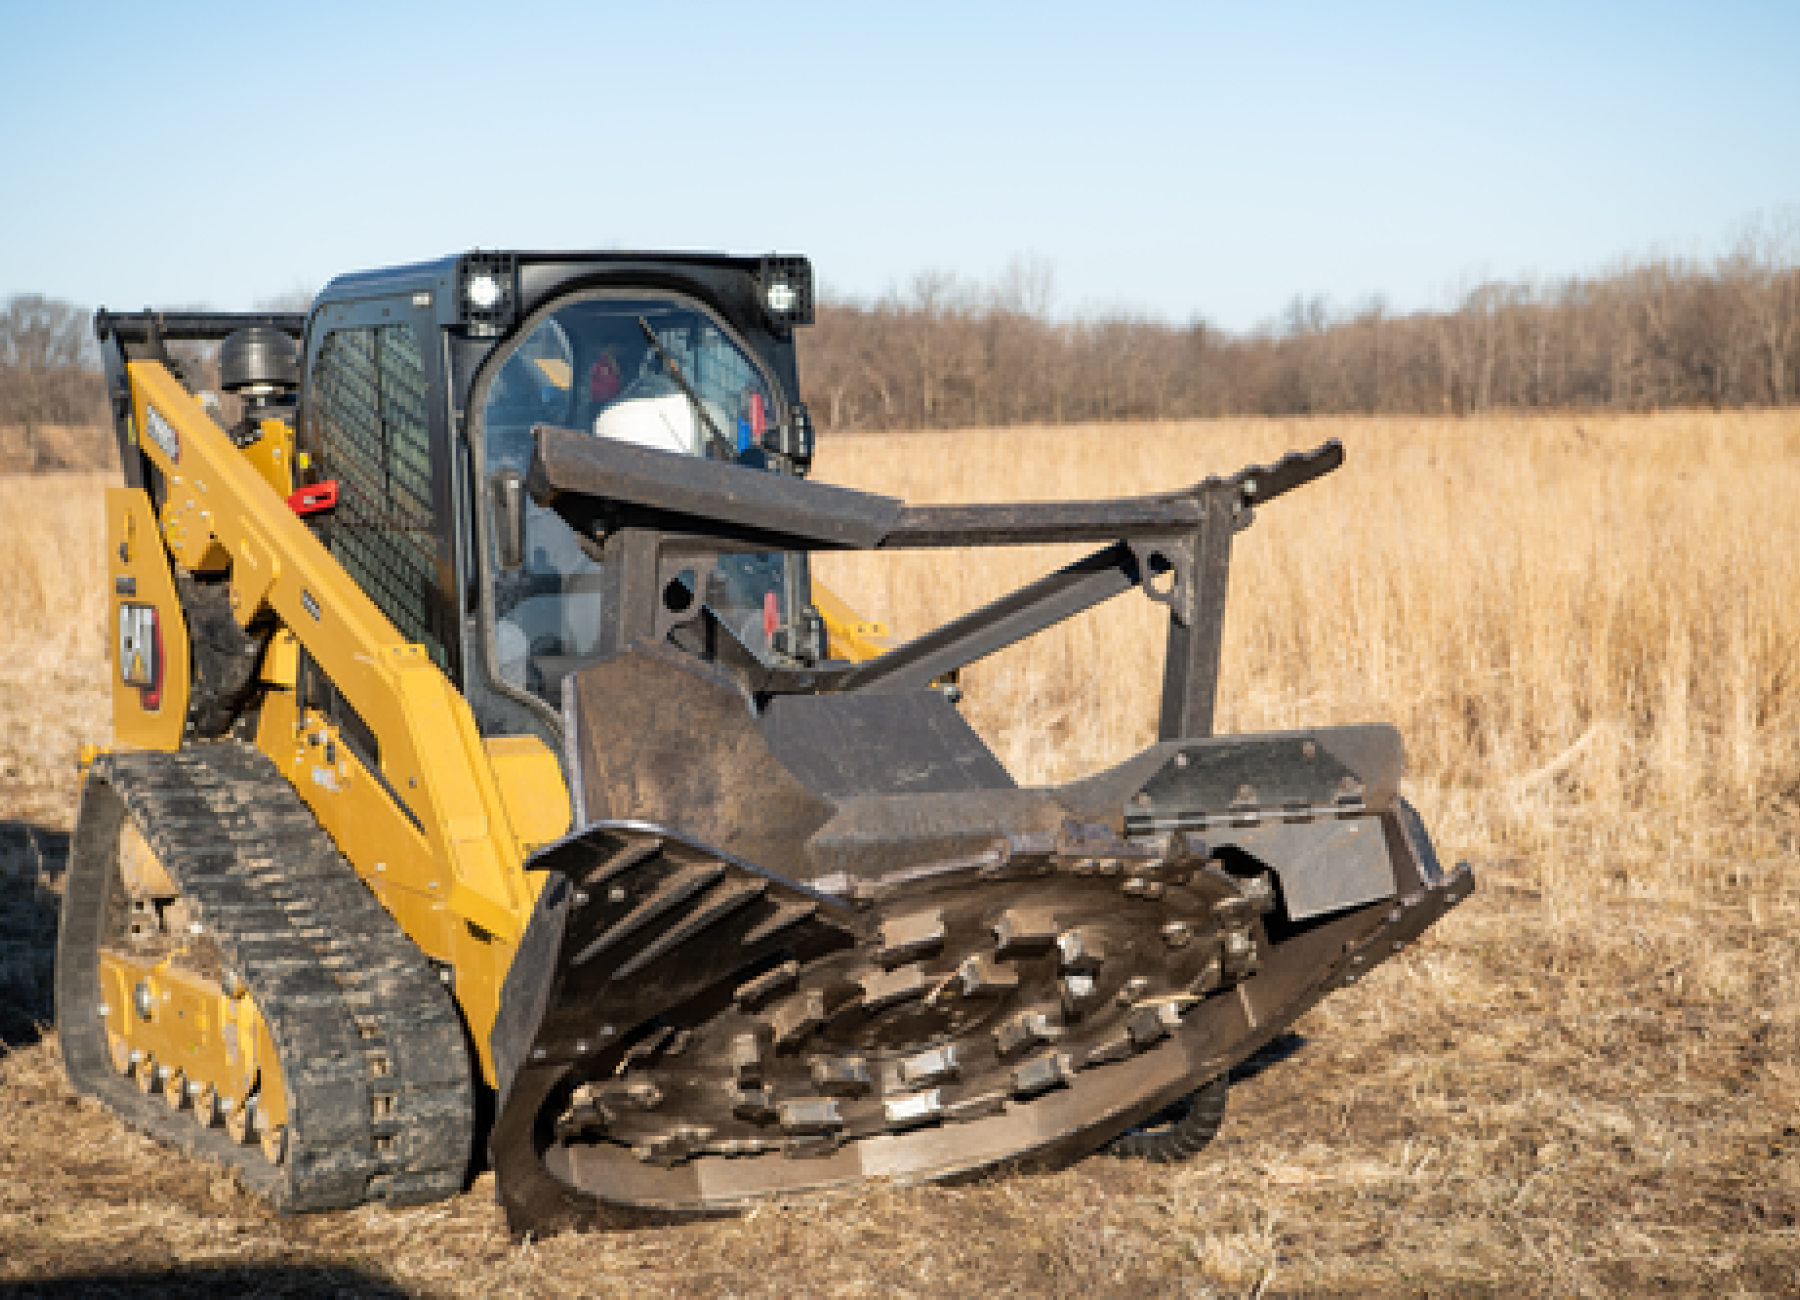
(162, 433)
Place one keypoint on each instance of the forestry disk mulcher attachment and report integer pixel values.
(483, 748)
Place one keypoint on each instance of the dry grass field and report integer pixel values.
(1586, 1081)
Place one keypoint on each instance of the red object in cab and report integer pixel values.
(604, 380)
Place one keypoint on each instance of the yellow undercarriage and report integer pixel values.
(197, 1041)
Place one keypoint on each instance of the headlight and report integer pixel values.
(787, 289)
(487, 293)
(484, 291)
(782, 296)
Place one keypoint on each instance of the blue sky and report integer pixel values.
(1180, 160)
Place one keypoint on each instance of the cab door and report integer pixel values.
(375, 420)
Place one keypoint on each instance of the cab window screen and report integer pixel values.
(369, 398)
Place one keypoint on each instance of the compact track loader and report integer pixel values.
(487, 765)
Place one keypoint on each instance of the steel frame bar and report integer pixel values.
(650, 513)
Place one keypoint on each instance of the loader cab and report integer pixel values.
(423, 385)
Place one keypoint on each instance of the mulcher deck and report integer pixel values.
(371, 1048)
(684, 1032)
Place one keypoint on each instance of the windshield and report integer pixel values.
(653, 372)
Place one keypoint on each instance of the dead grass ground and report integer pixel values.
(1586, 1081)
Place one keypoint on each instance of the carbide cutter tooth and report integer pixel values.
(1079, 991)
(885, 988)
(1240, 954)
(1023, 931)
(797, 1017)
(1236, 910)
(1132, 990)
(982, 976)
(930, 1067)
(1152, 1022)
(1024, 1029)
(592, 1114)
(645, 1096)
(579, 1121)
(841, 1076)
(670, 1149)
(810, 1115)
(754, 1104)
(1041, 1073)
(642, 1095)
(1260, 890)
(920, 1108)
(1075, 950)
(746, 1058)
(913, 935)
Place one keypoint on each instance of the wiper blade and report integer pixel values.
(720, 446)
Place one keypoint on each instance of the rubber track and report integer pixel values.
(372, 1049)
(1180, 1133)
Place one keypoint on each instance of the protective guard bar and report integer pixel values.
(142, 326)
(655, 514)
(140, 335)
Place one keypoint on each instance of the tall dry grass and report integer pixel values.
(1584, 1081)
(54, 605)
(1586, 627)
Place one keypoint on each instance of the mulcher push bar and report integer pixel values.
(655, 514)
(138, 326)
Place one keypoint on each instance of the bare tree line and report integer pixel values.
(53, 412)
(946, 352)
(1648, 333)
(49, 374)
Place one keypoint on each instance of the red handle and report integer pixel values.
(316, 498)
